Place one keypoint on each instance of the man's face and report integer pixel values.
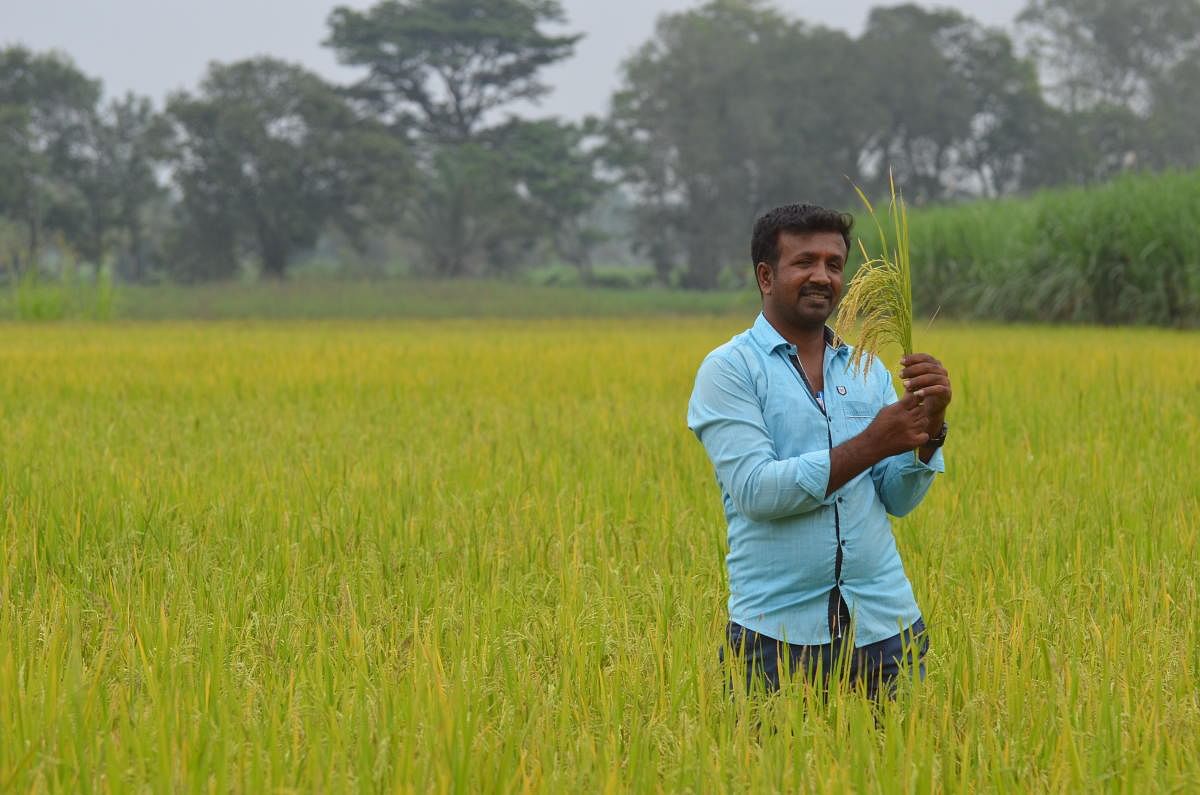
(804, 287)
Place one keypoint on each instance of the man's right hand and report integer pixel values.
(898, 428)
(901, 427)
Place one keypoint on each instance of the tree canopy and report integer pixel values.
(435, 154)
(440, 72)
(269, 155)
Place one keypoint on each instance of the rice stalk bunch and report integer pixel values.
(879, 298)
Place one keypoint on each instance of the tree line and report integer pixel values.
(728, 109)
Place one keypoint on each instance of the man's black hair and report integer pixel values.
(799, 219)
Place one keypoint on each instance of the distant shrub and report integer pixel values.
(556, 275)
(734, 277)
(619, 277)
(613, 277)
(103, 295)
(37, 299)
(35, 296)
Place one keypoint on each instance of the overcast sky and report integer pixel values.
(155, 46)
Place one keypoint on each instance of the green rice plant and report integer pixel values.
(879, 298)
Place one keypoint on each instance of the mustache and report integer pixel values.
(822, 291)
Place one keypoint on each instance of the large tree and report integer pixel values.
(1117, 70)
(114, 173)
(136, 142)
(441, 73)
(729, 109)
(46, 108)
(552, 170)
(953, 110)
(268, 157)
(1109, 52)
(1175, 115)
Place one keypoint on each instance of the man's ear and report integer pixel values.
(766, 277)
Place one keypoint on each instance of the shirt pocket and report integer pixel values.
(858, 415)
(858, 410)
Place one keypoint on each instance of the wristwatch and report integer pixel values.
(937, 441)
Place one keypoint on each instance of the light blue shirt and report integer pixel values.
(769, 441)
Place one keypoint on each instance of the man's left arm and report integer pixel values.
(902, 481)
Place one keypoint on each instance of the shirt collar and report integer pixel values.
(770, 340)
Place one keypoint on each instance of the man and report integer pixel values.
(811, 457)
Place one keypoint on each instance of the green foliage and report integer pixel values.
(440, 72)
(130, 142)
(1175, 114)
(614, 277)
(974, 133)
(731, 107)
(268, 157)
(1120, 74)
(71, 169)
(1124, 252)
(559, 274)
(451, 63)
(1109, 52)
(37, 297)
(620, 277)
(552, 176)
(104, 297)
(47, 107)
(713, 124)
(563, 295)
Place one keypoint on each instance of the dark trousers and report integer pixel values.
(878, 665)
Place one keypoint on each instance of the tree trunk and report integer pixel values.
(274, 259)
(274, 263)
(273, 250)
(136, 244)
(702, 271)
(663, 267)
(34, 236)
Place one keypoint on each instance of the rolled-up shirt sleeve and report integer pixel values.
(901, 481)
(725, 414)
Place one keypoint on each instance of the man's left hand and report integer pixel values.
(927, 379)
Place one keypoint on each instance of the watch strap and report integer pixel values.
(939, 440)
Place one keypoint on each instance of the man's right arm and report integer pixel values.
(900, 427)
(725, 414)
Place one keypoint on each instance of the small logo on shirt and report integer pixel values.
(841, 390)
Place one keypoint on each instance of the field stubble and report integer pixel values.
(487, 555)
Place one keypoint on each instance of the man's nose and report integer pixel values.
(820, 274)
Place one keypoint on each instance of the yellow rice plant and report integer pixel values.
(879, 298)
(186, 605)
